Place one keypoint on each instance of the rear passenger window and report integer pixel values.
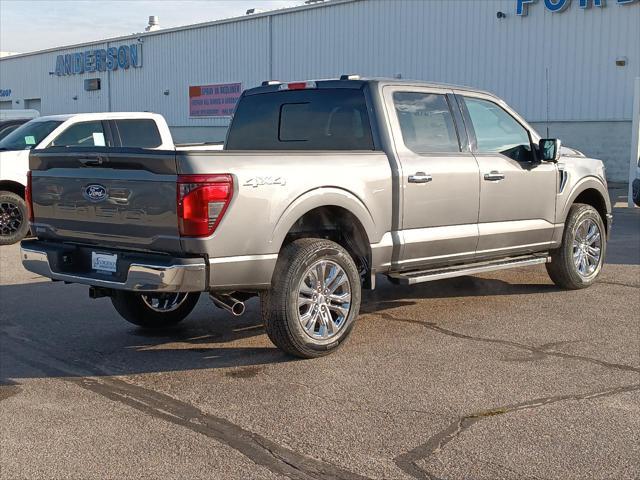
(85, 134)
(138, 133)
(311, 119)
(426, 122)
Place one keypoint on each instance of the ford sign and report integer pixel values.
(95, 193)
(556, 6)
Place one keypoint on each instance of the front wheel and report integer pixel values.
(578, 261)
(14, 222)
(154, 310)
(314, 298)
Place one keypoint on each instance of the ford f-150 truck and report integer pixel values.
(142, 130)
(321, 186)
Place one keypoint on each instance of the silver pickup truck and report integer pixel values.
(321, 186)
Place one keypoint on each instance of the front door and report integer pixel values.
(517, 192)
(439, 177)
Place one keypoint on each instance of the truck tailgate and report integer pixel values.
(124, 198)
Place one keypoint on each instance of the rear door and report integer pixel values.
(86, 192)
(439, 179)
(517, 192)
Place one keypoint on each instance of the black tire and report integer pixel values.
(133, 308)
(280, 310)
(14, 218)
(562, 268)
(635, 191)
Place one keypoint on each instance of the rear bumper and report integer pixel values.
(140, 273)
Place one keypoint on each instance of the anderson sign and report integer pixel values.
(554, 6)
(89, 61)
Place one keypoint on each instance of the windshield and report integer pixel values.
(28, 135)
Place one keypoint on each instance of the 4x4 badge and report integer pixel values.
(255, 182)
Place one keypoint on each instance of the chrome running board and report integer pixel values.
(419, 276)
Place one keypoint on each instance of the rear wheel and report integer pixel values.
(314, 298)
(154, 310)
(14, 222)
(578, 261)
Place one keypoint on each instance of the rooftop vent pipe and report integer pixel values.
(154, 24)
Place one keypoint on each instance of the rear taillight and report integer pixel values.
(202, 201)
(28, 198)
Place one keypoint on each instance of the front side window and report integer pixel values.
(426, 122)
(84, 134)
(29, 135)
(497, 131)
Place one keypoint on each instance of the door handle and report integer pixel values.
(494, 176)
(91, 161)
(420, 177)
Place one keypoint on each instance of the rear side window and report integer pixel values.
(138, 133)
(84, 134)
(314, 119)
(426, 122)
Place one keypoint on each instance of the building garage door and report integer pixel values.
(32, 103)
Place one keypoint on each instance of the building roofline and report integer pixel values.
(194, 26)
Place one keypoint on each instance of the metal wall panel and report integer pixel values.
(230, 52)
(29, 77)
(463, 42)
(454, 41)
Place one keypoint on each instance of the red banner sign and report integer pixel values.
(214, 100)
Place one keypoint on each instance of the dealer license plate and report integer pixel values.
(104, 262)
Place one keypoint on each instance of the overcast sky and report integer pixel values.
(28, 25)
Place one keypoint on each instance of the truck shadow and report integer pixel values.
(45, 323)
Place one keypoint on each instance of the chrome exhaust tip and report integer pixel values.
(232, 305)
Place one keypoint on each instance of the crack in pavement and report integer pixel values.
(536, 352)
(255, 447)
(407, 462)
(620, 284)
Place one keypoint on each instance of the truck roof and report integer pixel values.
(355, 81)
(98, 116)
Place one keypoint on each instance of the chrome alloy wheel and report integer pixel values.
(324, 300)
(164, 302)
(10, 218)
(587, 247)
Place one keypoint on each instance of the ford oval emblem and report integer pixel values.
(95, 193)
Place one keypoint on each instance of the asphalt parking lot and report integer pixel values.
(497, 376)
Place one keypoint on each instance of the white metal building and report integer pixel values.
(567, 65)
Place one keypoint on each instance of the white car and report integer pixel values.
(133, 130)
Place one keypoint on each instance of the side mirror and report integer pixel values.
(549, 149)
